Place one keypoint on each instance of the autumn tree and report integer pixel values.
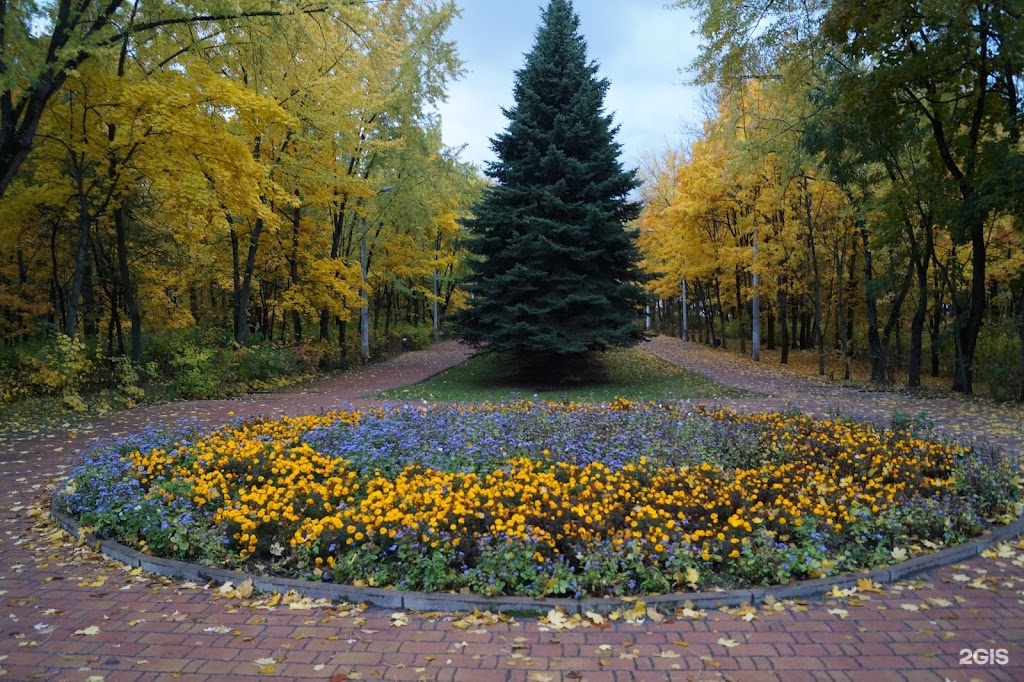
(218, 175)
(557, 273)
(956, 65)
(949, 69)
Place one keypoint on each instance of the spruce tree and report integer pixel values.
(556, 271)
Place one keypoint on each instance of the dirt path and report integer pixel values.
(70, 614)
(344, 390)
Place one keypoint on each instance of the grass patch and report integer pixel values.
(631, 373)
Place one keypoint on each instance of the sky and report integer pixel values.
(641, 47)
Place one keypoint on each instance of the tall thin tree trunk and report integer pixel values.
(684, 315)
(1020, 334)
(917, 336)
(879, 371)
(120, 230)
(721, 309)
(935, 325)
(293, 273)
(819, 335)
(236, 276)
(342, 346)
(110, 323)
(127, 286)
(81, 260)
(921, 260)
(22, 283)
(967, 334)
(844, 342)
(740, 309)
(783, 328)
(243, 289)
(805, 323)
(90, 309)
(851, 292)
(57, 291)
(795, 317)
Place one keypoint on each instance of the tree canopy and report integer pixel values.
(215, 167)
(871, 152)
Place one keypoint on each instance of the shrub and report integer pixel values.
(917, 425)
(317, 355)
(997, 364)
(263, 363)
(988, 480)
(417, 338)
(193, 372)
(61, 366)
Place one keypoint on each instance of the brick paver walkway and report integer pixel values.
(69, 614)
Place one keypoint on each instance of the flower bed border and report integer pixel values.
(451, 602)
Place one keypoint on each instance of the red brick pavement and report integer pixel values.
(54, 591)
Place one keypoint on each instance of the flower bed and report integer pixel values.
(543, 499)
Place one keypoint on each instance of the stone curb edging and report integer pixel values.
(453, 602)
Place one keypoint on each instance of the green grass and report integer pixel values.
(631, 373)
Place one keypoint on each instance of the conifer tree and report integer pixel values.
(556, 273)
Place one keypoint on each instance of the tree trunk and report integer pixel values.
(794, 320)
(935, 325)
(58, 299)
(921, 260)
(16, 136)
(115, 327)
(783, 328)
(917, 334)
(81, 259)
(90, 313)
(967, 334)
(700, 306)
(1020, 334)
(293, 273)
(721, 309)
(844, 342)
(243, 283)
(243, 288)
(755, 310)
(128, 296)
(236, 276)
(851, 293)
(22, 283)
(805, 322)
(325, 325)
(684, 315)
(819, 335)
(892, 324)
(879, 360)
(740, 317)
(342, 346)
(127, 286)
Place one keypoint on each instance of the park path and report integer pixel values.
(961, 417)
(67, 613)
